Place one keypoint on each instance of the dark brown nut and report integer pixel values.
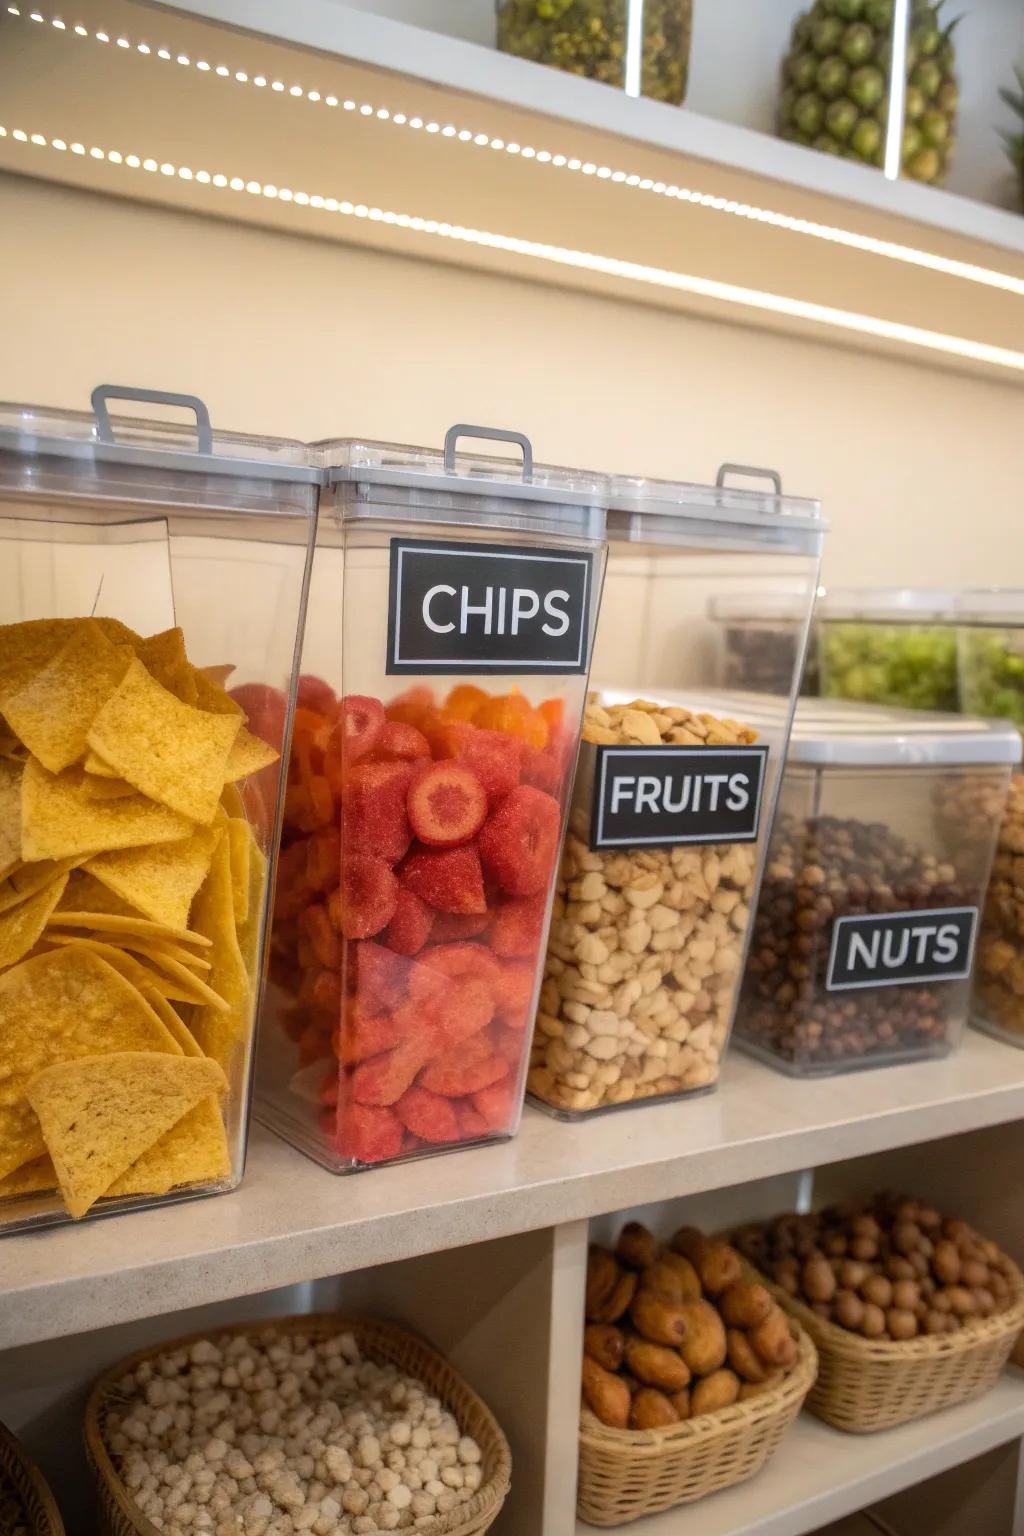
(745, 1304)
(819, 1283)
(606, 1396)
(928, 1219)
(935, 1322)
(898, 1268)
(906, 1295)
(836, 1246)
(636, 1246)
(689, 1241)
(619, 1300)
(961, 1301)
(703, 1344)
(877, 1289)
(681, 1403)
(958, 1231)
(906, 1236)
(872, 1323)
(853, 1275)
(900, 1323)
(946, 1262)
(656, 1365)
(666, 1281)
(658, 1320)
(651, 1410)
(743, 1357)
(718, 1266)
(848, 1310)
(719, 1390)
(984, 1301)
(920, 1264)
(688, 1277)
(942, 1301)
(974, 1273)
(865, 1249)
(751, 1389)
(602, 1276)
(604, 1343)
(772, 1339)
(866, 1226)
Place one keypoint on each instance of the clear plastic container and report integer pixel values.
(889, 645)
(594, 38)
(868, 912)
(445, 663)
(991, 651)
(672, 801)
(152, 586)
(759, 636)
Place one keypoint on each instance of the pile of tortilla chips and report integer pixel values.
(131, 888)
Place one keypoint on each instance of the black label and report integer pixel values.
(664, 796)
(457, 607)
(897, 948)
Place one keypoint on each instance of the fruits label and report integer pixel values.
(457, 607)
(663, 796)
(897, 948)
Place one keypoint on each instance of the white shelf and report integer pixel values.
(291, 1221)
(819, 1474)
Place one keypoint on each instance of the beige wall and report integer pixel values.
(920, 469)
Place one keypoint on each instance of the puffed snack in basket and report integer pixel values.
(27, 1507)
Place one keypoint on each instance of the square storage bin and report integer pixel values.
(889, 645)
(760, 636)
(152, 583)
(868, 912)
(672, 800)
(445, 666)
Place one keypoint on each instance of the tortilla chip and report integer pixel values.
(195, 1151)
(239, 843)
(26, 647)
(99, 1114)
(219, 1030)
(141, 977)
(26, 879)
(94, 765)
(175, 754)
(199, 991)
(53, 710)
(249, 932)
(106, 789)
(56, 1007)
(119, 633)
(164, 658)
(30, 1179)
(84, 893)
(159, 881)
(172, 951)
(135, 927)
(213, 698)
(173, 1021)
(218, 674)
(248, 755)
(59, 820)
(10, 813)
(22, 926)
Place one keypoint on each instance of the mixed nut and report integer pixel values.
(646, 945)
(999, 972)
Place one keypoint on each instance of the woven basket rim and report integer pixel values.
(486, 1502)
(12, 1449)
(710, 1426)
(830, 1337)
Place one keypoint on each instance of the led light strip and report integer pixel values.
(892, 250)
(588, 261)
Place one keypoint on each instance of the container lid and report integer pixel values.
(643, 511)
(834, 733)
(889, 605)
(434, 476)
(754, 607)
(96, 437)
(991, 605)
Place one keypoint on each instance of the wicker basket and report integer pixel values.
(869, 1384)
(380, 1341)
(627, 1473)
(21, 1475)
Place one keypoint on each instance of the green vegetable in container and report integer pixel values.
(992, 672)
(588, 37)
(912, 665)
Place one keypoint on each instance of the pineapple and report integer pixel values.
(835, 84)
(1015, 141)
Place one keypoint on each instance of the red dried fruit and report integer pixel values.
(368, 1134)
(361, 720)
(517, 926)
(265, 710)
(325, 943)
(496, 1104)
(507, 1043)
(379, 977)
(471, 1121)
(373, 810)
(383, 1079)
(363, 1036)
(329, 1089)
(471, 960)
(369, 895)
(454, 1013)
(519, 841)
(465, 1069)
(323, 859)
(446, 804)
(448, 878)
(326, 993)
(453, 927)
(409, 929)
(313, 693)
(513, 993)
(398, 740)
(542, 770)
(409, 707)
(428, 1115)
(493, 757)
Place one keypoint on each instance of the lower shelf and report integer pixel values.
(820, 1474)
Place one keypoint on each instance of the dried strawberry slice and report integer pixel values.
(410, 706)
(367, 1133)
(542, 770)
(409, 929)
(379, 978)
(363, 1036)
(313, 693)
(448, 878)
(399, 740)
(369, 895)
(465, 1069)
(471, 960)
(516, 930)
(446, 804)
(471, 1121)
(513, 992)
(362, 720)
(383, 1079)
(519, 841)
(494, 758)
(373, 810)
(507, 1043)
(428, 1115)
(454, 1013)
(496, 1104)
(453, 927)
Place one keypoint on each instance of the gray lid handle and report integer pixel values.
(752, 471)
(104, 427)
(488, 434)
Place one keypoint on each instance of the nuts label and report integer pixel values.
(664, 796)
(491, 608)
(898, 948)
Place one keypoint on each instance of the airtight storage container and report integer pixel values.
(866, 923)
(759, 639)
(672, 800)
(445, 667)
(152, 584)
(889, 645)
